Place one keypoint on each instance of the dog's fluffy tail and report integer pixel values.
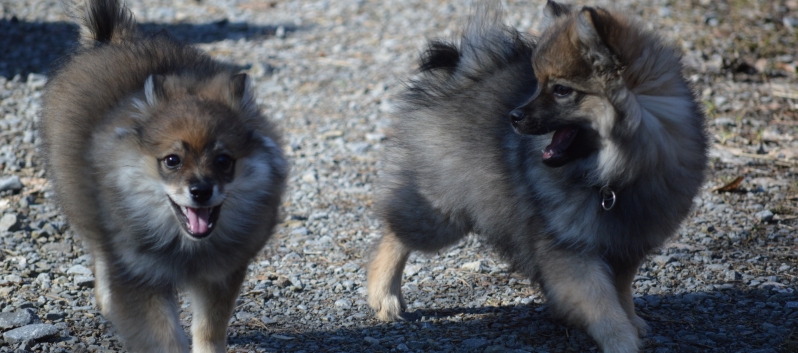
(487, 45)
(103, 22)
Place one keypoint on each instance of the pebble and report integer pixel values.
(10, 223)
(84, 281)
(343, 304)
(475, 266)
(54, 316)
(350, 267)
(79, 270)
(663, 259)
(764, 216)
(11, 182)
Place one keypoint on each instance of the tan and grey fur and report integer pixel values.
(114, 113)
(467, 157)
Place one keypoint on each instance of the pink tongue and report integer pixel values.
(559, 142)
(198, 219)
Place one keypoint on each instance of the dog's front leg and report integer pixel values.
(146, 317)
(213, 303)
(580, 288)
(624, 276)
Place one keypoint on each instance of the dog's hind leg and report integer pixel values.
(580, 288)
(385, 278)
(623, 284)
(213, 303)
(414, 224)
(102, 290)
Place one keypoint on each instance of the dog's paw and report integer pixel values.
(388, 307)
(620, 343)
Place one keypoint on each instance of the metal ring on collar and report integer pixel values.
(607, 198)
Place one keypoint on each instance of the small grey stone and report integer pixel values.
(30, 333)
(663, 259)
(723, 121)
(280, 32)
(732, 275)
(59, 247)
(283, 282)
(371, 340)
(11, 182)
(301, 231)
(309, 176)
(54, 315)
(402, 347)
(343, 304)
(84, 281)
(243, 316)
(17, 318)
(475, 266)
(475, 342)
(791, 305)
(10, 223)
(49, 229)
(764, 216)
(359, 147)
(28, 136)
(79, 270)
(350, 267)
(296, 283)
(267, 320)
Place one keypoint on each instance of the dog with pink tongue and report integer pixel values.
(167, 169)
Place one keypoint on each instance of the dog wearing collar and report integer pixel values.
(572, 155)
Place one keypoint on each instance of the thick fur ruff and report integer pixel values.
(110, 111)
(457, 166)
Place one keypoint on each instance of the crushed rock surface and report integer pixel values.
(327, 72)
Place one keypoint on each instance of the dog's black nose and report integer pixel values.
(516, 116)
(201, 192)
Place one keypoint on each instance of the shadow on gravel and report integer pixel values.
(31, 47)
(731, 320)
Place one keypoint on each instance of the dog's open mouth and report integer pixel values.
(568, 143)
(560, 151)
(197, 222)
(560, 141)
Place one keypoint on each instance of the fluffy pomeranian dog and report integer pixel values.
(573, 156)
(165, 166)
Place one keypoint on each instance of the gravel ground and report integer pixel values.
(327, 71)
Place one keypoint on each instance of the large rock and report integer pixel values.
(30, 333)
(17, 318)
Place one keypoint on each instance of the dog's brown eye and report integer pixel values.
(561, 91)
(172, 161)
(224, 162)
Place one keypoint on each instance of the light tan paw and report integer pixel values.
(388, 307)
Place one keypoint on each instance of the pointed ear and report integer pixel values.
(153, 89)
(241, 93)
(551, 12)
(592, 31)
